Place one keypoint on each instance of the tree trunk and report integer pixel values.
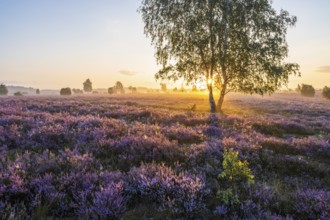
(221, 98)
(211, 99)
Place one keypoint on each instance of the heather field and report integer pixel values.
(163, 156)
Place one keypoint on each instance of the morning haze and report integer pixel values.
(51, 44)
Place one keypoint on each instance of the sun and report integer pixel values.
(209, 82)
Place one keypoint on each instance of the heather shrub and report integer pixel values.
(205, 158)
(59, 157)
(49, 136)
(290, 165)
(278, 146)
(93, 195)
(181, 194)
(184, 135)
(295, 128)
(311, 204)
(326, 93)
(109, 203)
(268, 129)
(133, 150)
(16, 211)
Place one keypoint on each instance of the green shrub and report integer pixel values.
(234, 170)
(235, 173)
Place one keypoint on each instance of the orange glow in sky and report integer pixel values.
(55, 44)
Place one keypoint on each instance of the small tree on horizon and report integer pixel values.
(111, 90)
(77, 91)
(298, 89)
(38, 91)
(3, 89)
(132, 89)
(88, 86)
(18, 93)
(307, 90)
(326, 93)
(119, 87)
(65, 91)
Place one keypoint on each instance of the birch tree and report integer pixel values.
(234, 45)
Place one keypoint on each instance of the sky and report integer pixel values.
(51, 44)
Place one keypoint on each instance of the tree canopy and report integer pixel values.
(88, 85)
(235, 45)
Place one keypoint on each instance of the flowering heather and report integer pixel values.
(119, 157)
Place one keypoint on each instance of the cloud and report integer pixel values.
(127, 73)
(323, 69)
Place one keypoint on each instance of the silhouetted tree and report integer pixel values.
(111, 90)
(194, 88)
(65, 91)
(132, 89)
(298, 89)
(236, 45)
(3, 89)
(119, 87)
(88, 85)
(38, 91)
(326, 93)
(77, 91)
(307, 90)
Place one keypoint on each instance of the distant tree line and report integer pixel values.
(132, 89)
(309, 91)
(88, 88)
